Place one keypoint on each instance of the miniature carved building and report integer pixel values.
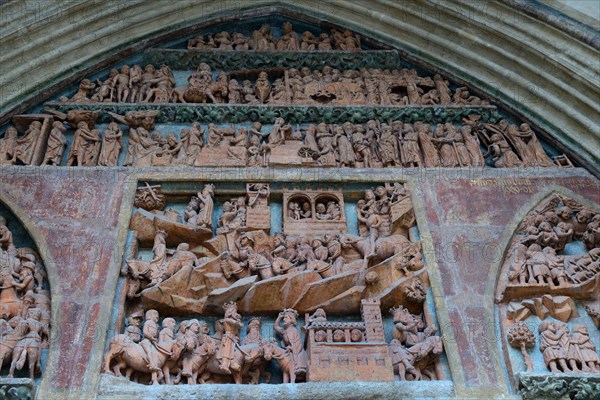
(363, 354)
(303, 210)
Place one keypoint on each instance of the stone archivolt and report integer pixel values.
(552, 265)
(313, 267)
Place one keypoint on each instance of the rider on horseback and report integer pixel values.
(150, 340)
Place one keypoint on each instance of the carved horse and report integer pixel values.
(7, 345)
(385, 247)
(9, 301)
(256, 363)
(284, 358)
(425, 354)
(242, 355)
(132, 356)
(193, 364)
(421, 356)
(28, 349)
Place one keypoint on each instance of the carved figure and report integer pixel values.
(111, 145)
(25, 145)
(292, 342)
(85, 147)
(57, 142)
(554, 342)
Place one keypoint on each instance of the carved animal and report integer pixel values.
(385, 247)
(284, 359)
(131, 356)
(425, 354)
(244, 357)
(194, 364)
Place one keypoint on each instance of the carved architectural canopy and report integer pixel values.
(297, 201)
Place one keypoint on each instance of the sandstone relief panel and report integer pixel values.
(219, 284)
(136, 140)
(548, 292)
(24, 308)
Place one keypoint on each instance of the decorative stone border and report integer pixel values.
(241, 60)
(559, 386)
(233, 113)
(16, 389)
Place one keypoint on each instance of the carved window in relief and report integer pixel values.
(548, 291)
(24, 309)
(225, 283)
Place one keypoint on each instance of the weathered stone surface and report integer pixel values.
(111, 386)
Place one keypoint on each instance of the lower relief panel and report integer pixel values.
(274, 283)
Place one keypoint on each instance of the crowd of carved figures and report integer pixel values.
(150, 351)
(328, 85)
(536, 259)
(263, 39)
(24, 307)
(546, 279)
(374, 144)
(249, 253)
(314, 244)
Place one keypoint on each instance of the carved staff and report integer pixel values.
(456, 152)
(288, 94)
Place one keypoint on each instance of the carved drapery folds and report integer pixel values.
(374, 144)
(24, 309)
(303, 279)
(549, 279)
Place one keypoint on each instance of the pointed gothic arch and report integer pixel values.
(27, 307)
(548, 284)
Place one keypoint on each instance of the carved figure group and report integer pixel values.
(128, 85)
(150, 351)
(164, 354)
(544, 234)
(288, 255)
(371, 145)
(24, 306)
(513, 146)
(297, 86)
(415, 347)
(565, 351)
(554, 262)
(21, 150)
(262, 39)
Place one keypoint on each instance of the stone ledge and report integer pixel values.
(121, 388)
